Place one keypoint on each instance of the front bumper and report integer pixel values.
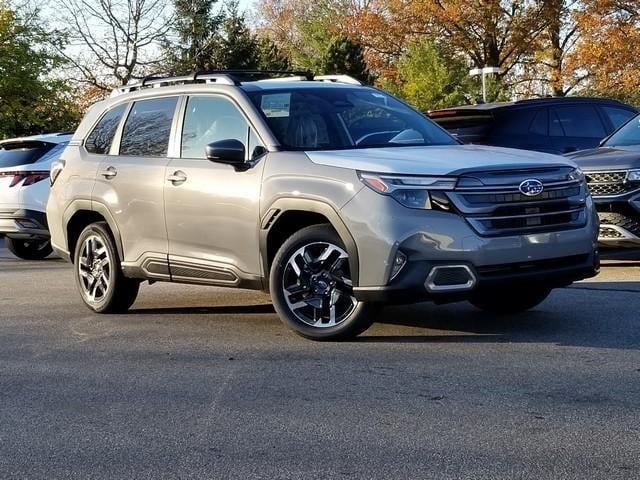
(619, 220)
(22, 223)
(413, 286)
(430, 238)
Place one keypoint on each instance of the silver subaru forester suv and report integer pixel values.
(333, 196)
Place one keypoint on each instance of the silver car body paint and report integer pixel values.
(213, 228)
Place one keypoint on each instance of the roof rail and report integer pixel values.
(153, 81)
(338, 79)
(231, 77)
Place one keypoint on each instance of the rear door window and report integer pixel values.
(577, 121)
(13, 154)
(101, 137)
(540, 123)
(148, 128)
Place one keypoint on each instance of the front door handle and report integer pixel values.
(109, 173)
(178, 177)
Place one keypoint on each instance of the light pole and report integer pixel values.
(483, 72)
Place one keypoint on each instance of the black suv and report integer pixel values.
(613, 173)
(552, 125)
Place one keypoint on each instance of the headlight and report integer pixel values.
(410, 191)
(577, 174)
(633, 176)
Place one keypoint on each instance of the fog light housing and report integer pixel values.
(399, 262)
(27, 224)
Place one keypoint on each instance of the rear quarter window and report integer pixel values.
(101, 137)
(514, 122)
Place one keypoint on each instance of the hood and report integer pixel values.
(436, 160)
(607, 158)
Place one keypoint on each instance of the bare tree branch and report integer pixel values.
(112, 42)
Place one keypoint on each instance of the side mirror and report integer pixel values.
(230, 152)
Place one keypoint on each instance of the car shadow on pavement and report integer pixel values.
(213, 310)
(594, 314)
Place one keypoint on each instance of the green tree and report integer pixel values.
(236, 47)
(347, 57)
(196, 28)
(428, 80)
(216, 40)
(31, 100)
(270, 57)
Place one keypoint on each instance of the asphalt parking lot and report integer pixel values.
(202, 382)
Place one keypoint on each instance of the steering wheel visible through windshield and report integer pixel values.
(337, 117)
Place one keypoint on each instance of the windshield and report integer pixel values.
(628, 135)
(344, 118)
(54, 153)
(13, 154)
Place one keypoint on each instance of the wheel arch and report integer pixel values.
(83, 213)
(288, 215)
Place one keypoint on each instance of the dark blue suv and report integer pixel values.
(552, 125)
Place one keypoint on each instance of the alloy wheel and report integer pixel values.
(317, 285)
(94, 268)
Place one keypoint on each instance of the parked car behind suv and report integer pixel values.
(613, 174)
(24, 190)
(552, 125)
(333, 196)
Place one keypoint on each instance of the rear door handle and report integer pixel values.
(177, 178)
(109, 173)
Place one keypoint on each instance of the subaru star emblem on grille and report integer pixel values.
(531, 187)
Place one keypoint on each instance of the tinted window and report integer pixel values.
(332, 117)
(627, 135)
(578, 121)
(209, 119)
(516, 122)
(465, 126)
(54, 153)
(100, 139)
(13, 154)
(617, 116)
(540, 124)
(148, 127)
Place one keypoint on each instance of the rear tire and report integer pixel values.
(99, 278)
(511, 301)
(29, 249)
(311, 287)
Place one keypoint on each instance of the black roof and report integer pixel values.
(486, 107)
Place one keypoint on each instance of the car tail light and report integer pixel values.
(27, 178)
(56, 170)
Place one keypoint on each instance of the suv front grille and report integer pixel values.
(605, 184)
(500, 209)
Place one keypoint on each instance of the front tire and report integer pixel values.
(511, 301)
(99, 278)
(311, 287)
(29, 249)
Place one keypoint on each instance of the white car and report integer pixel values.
(24, 191)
